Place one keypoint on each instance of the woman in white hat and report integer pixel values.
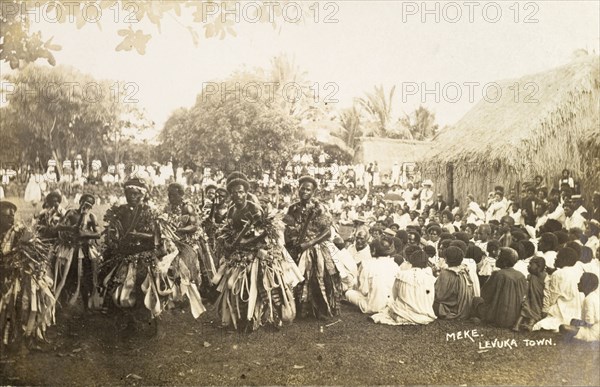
(426, 195)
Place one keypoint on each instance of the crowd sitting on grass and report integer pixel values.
(400, 254)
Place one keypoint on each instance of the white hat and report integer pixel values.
(428, 182)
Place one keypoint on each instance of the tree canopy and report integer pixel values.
(58, 111)
(216, 19)
(232, 133)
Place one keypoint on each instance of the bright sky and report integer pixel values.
(372, 43)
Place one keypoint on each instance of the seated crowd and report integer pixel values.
(408, 257)
(505, 265)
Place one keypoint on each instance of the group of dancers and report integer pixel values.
(259, 266)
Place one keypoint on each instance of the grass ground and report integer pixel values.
(354, 351)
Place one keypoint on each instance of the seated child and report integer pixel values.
(588, 328)
(487, 264)
(531, 310)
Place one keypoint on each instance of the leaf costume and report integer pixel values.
(319, 294)
(27, 302)
(256, 275)
(147, 271)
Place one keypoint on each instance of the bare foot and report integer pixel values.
(159, 332)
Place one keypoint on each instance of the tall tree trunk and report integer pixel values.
(87, 160)
(55, 149)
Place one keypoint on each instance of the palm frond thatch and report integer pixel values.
(386, 151)
(540, 124)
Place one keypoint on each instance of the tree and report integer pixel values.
(222, 130)
(18, 44)
(378, 107)
(351, 131)
(55, 112)
(421, 123)
(170, 136)
(284, 86)
(121, 134)
(290, 79)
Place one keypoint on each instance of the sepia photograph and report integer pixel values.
(299, 192)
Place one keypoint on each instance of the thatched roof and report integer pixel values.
(322, 131)
(546, 126)
(386, 151)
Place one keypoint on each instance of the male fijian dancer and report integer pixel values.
(26, 299)
(131, 243)
(216, 215)
(191, 242)
(210, 193)
(47, 220)
(308, 230)
(256, 275)
(75, 269)
(142, 268)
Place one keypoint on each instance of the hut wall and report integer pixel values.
(470, 178)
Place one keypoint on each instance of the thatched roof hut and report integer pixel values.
(539, 125)
(386, 151)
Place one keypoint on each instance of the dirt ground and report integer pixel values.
(352, 351)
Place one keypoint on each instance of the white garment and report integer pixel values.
(375, 281)
(497, 210)
(591, 267)
(540, 221)
(521, 265)
(562, 300)
(351, 271)
(558, 214)
(593, 243)
(426, 198)
(550, 257)
(575, 221)
(476, 214)
(395, 173)
(402, 220)
(487, 265)
(472, 270)
(591, 315)
(580, 210)
(482, 245)
(518, 217)
(360, 256)
(34, 188)
(412, 299)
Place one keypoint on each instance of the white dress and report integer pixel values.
(591, 315)
(349, 273)
(562, 299)
(33, 190)
(472, 270)
(413, 296)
